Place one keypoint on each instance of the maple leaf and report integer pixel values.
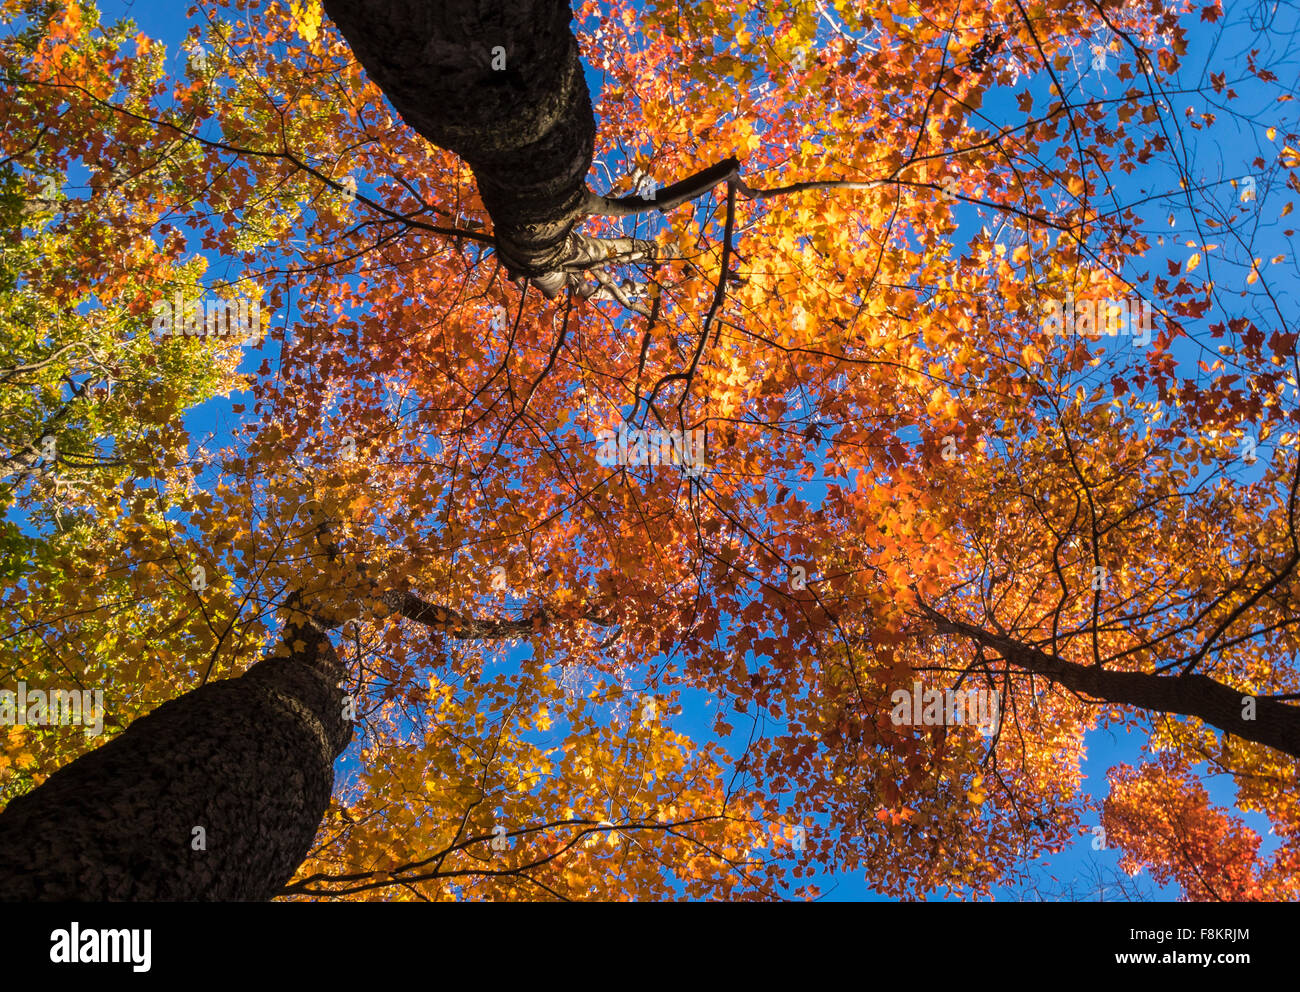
(1016, 506)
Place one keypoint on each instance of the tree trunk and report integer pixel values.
(250, 760)
(499, 83)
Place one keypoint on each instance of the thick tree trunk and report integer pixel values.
(499, 83)
(27, 460)
(249, 760)
(24, 461)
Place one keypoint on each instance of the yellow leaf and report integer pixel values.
(306, 18)
(1193, 262)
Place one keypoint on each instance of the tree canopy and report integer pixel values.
(671, 469)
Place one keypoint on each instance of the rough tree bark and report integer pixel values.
(250, 760)
(500, 83)
(525, 128)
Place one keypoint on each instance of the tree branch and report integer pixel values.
(665, 199)
(1275, 724)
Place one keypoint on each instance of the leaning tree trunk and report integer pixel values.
(1264, 720)
(215, 795)
(499, 83)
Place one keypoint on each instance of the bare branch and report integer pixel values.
(667, 198)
